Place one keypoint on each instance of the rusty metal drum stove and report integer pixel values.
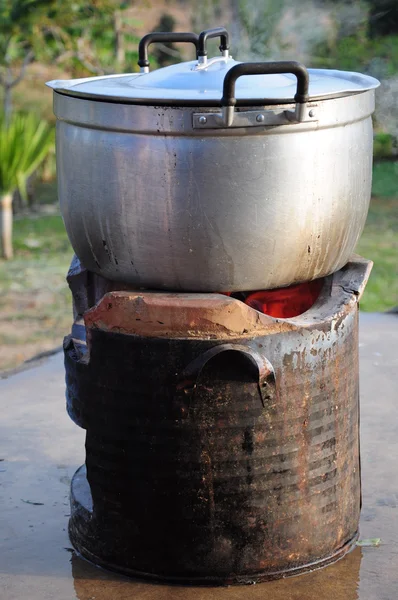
(222, 444)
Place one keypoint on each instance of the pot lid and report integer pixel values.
(201, 82)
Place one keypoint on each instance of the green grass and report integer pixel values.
(385, 179)
(379, 242)
(35, 301)
(42, 256)
(39, 236)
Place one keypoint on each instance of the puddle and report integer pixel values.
(340, 580)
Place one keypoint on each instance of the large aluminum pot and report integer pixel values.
(164, 184)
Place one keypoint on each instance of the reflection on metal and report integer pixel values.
(204, 63)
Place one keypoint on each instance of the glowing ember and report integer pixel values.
(286, 302)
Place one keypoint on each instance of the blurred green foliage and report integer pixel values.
(359, 53)
(166, 53)
(383, 145)
(25, 141)
(382, 14)
(383, 17)
(84, 37)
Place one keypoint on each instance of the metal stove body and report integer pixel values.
(222, 444)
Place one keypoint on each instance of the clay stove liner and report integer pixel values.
(222, 444)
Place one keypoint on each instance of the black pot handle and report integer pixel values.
(220, 32)
(160, 36)
(228, 99)
(186, 381)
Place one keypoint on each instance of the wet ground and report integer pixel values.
(40, 449)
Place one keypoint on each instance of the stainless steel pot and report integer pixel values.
(193, 177)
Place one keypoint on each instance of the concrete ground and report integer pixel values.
(40, 448)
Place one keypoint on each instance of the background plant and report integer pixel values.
(25, 141)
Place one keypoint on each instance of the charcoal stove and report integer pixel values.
(222, 443)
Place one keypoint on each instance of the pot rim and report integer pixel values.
(161, 119)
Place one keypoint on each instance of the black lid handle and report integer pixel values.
(228, 99)
(220, 32)
(161, 36)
